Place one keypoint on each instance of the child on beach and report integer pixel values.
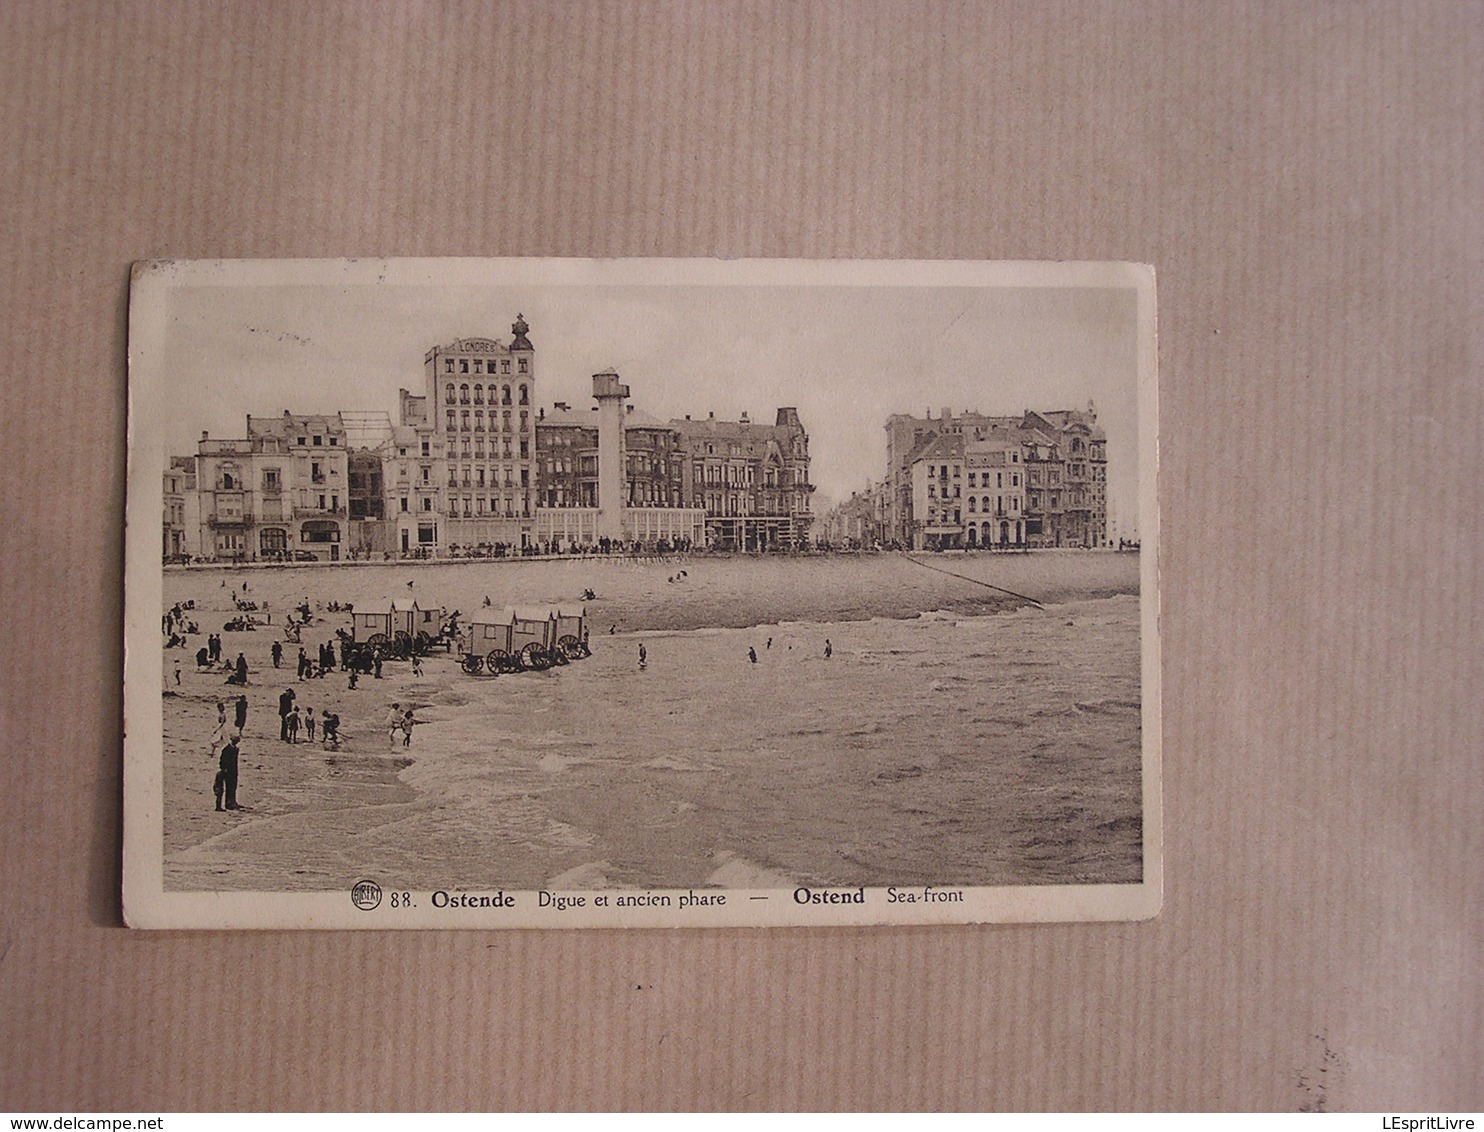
(393, 723)
(417, 665)
(330, 729)
(407, 722)
(294, 726)
(308, 723)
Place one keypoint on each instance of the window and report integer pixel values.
(427, 503)
(479, 395)
(334, 503)
(451, 420)
(448, 365)
(505, 366)
(303, 439)
(464, 365)
(1015, 481)
(478, 420)
(334, 441)
(271, 481)
(464, 420)
(319, 441)
(464, 394)
(448, 391)
(425, 475)
(404, 504)
(478, 365)
(322, 502)
(523, 365)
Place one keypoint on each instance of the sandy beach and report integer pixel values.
(955, 733)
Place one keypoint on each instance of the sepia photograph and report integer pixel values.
(498, 593)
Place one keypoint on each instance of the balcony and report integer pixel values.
(319, 512)
(218, 521)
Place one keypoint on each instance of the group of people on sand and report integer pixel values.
(398, 720)
(293, 719)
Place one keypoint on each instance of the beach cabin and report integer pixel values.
(571, 630)
(395, 626)
(484, 646)
(533, 634)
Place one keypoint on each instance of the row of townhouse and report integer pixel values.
(472, 464)
(970, 480)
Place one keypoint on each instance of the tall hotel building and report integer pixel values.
(461, 468)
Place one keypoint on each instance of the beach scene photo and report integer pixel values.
(506, 593)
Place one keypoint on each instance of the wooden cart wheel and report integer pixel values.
(472, 664)
(376, 640)
(424, 642)
(535, 657)
(402, 644)
(497, 661)
(571, 646)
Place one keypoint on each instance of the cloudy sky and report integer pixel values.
(320, 337)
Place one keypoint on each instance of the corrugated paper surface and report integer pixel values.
(1306, 181)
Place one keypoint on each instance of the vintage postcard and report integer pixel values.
(566, 593)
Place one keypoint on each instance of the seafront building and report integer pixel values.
(472, 465)
(970, 480)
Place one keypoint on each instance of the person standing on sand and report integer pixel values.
(643, 656)
(225, 785)
(277, 654)
(417, 665)
(285, 705)
(177, 674)
(393, 722)
(293, 722)
(308, 724)
(219, 732)
(407, 722)
(303, 664)
(351, 683)
(829, 649)
(752, 654)
(241, 675)
(376, 662)
(239, 717)
(330, 728)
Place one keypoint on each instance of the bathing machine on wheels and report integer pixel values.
(522, 637)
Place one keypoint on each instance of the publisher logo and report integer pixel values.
(365, 895)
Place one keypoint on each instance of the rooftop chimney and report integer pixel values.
(744, 416)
